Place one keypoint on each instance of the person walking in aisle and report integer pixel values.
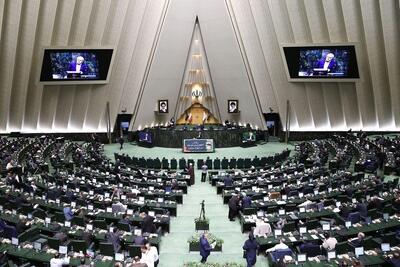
(250, 250)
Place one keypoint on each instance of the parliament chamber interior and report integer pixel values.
(186, 133)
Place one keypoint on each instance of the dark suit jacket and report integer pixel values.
(205, 247)
(84, 67)
(331, 66)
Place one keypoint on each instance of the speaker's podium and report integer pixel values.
(73, 74)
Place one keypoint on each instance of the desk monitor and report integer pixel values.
(385, 247)
(119, 257)
(302, 209)
(260, 213)
(160, 200)
(141, 199)
(326, 226)
(14, 241)
(89, 227)
(368, 220)
(301, 195)
(129, 211)
(386, 216)
(348, 224)
(301, 257)
(303, 230)
(137, 232)
(359, 251)
(67, 224)
(152, 213)
(63, 250)
(37, 245)
(151, 188)
(281, 212)
(331, 255)
(278, 232)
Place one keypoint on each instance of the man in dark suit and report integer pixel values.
(362, 209)
(228, 181)
(233, 207)
(246, 201)
(205, 248)
(328, 63)
(148, 224)
(114, 238)
(79, 66)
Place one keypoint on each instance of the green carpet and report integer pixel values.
(174, 250)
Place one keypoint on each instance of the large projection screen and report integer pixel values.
(76, 65)
(322, 62)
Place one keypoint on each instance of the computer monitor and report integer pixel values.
(137, 232)
(385, 247)
(348, 224)
(326, 227)
(301, 195)
(368, 220)
(141, 199)
(160, 200)
(302, 209)
(331, 255)
(37, 245)
(281, 212)
(129, 212)
(67, 224)
(152, 213)
(386, 216)
(260, 213)
(359, 251)
(119, 257)
(301, 257)
(14, 241)
(303, 230)
(109, 210)
(278, 232)
(89, 227)
(63, 250)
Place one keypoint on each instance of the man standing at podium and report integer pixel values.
(328, 63)
(79, 66)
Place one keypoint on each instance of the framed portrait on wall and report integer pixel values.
(163, 106)
(233, 106)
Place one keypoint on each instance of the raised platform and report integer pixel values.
(173, 137)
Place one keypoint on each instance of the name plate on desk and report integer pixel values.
(198, 145)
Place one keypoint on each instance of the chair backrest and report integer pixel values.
(343, 247)
(124, 227)
(277, 255)
(9, 231)
(78, 245)
(249, 211)
(312, 250)
(354, 217)
(100, 224)
(134, 250)
(106, 249)
(53, 243)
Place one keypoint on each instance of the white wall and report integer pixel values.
(242, 39)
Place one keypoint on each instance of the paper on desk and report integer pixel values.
(314, 236)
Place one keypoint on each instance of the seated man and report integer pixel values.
(246, 201)
(329, 243)
(279, 246)
(228, 181)
(262, 228)
(68, 213)
(358, 241)
(114, 238)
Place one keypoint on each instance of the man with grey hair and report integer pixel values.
(78, 66)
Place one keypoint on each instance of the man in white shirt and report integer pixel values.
(153, 253)
(281, 245)
(59, 262)
(262, 228)
(10, 165)
(329, 243)
(147, 257)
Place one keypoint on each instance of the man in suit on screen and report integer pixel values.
(328, 63)
(78, 66)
